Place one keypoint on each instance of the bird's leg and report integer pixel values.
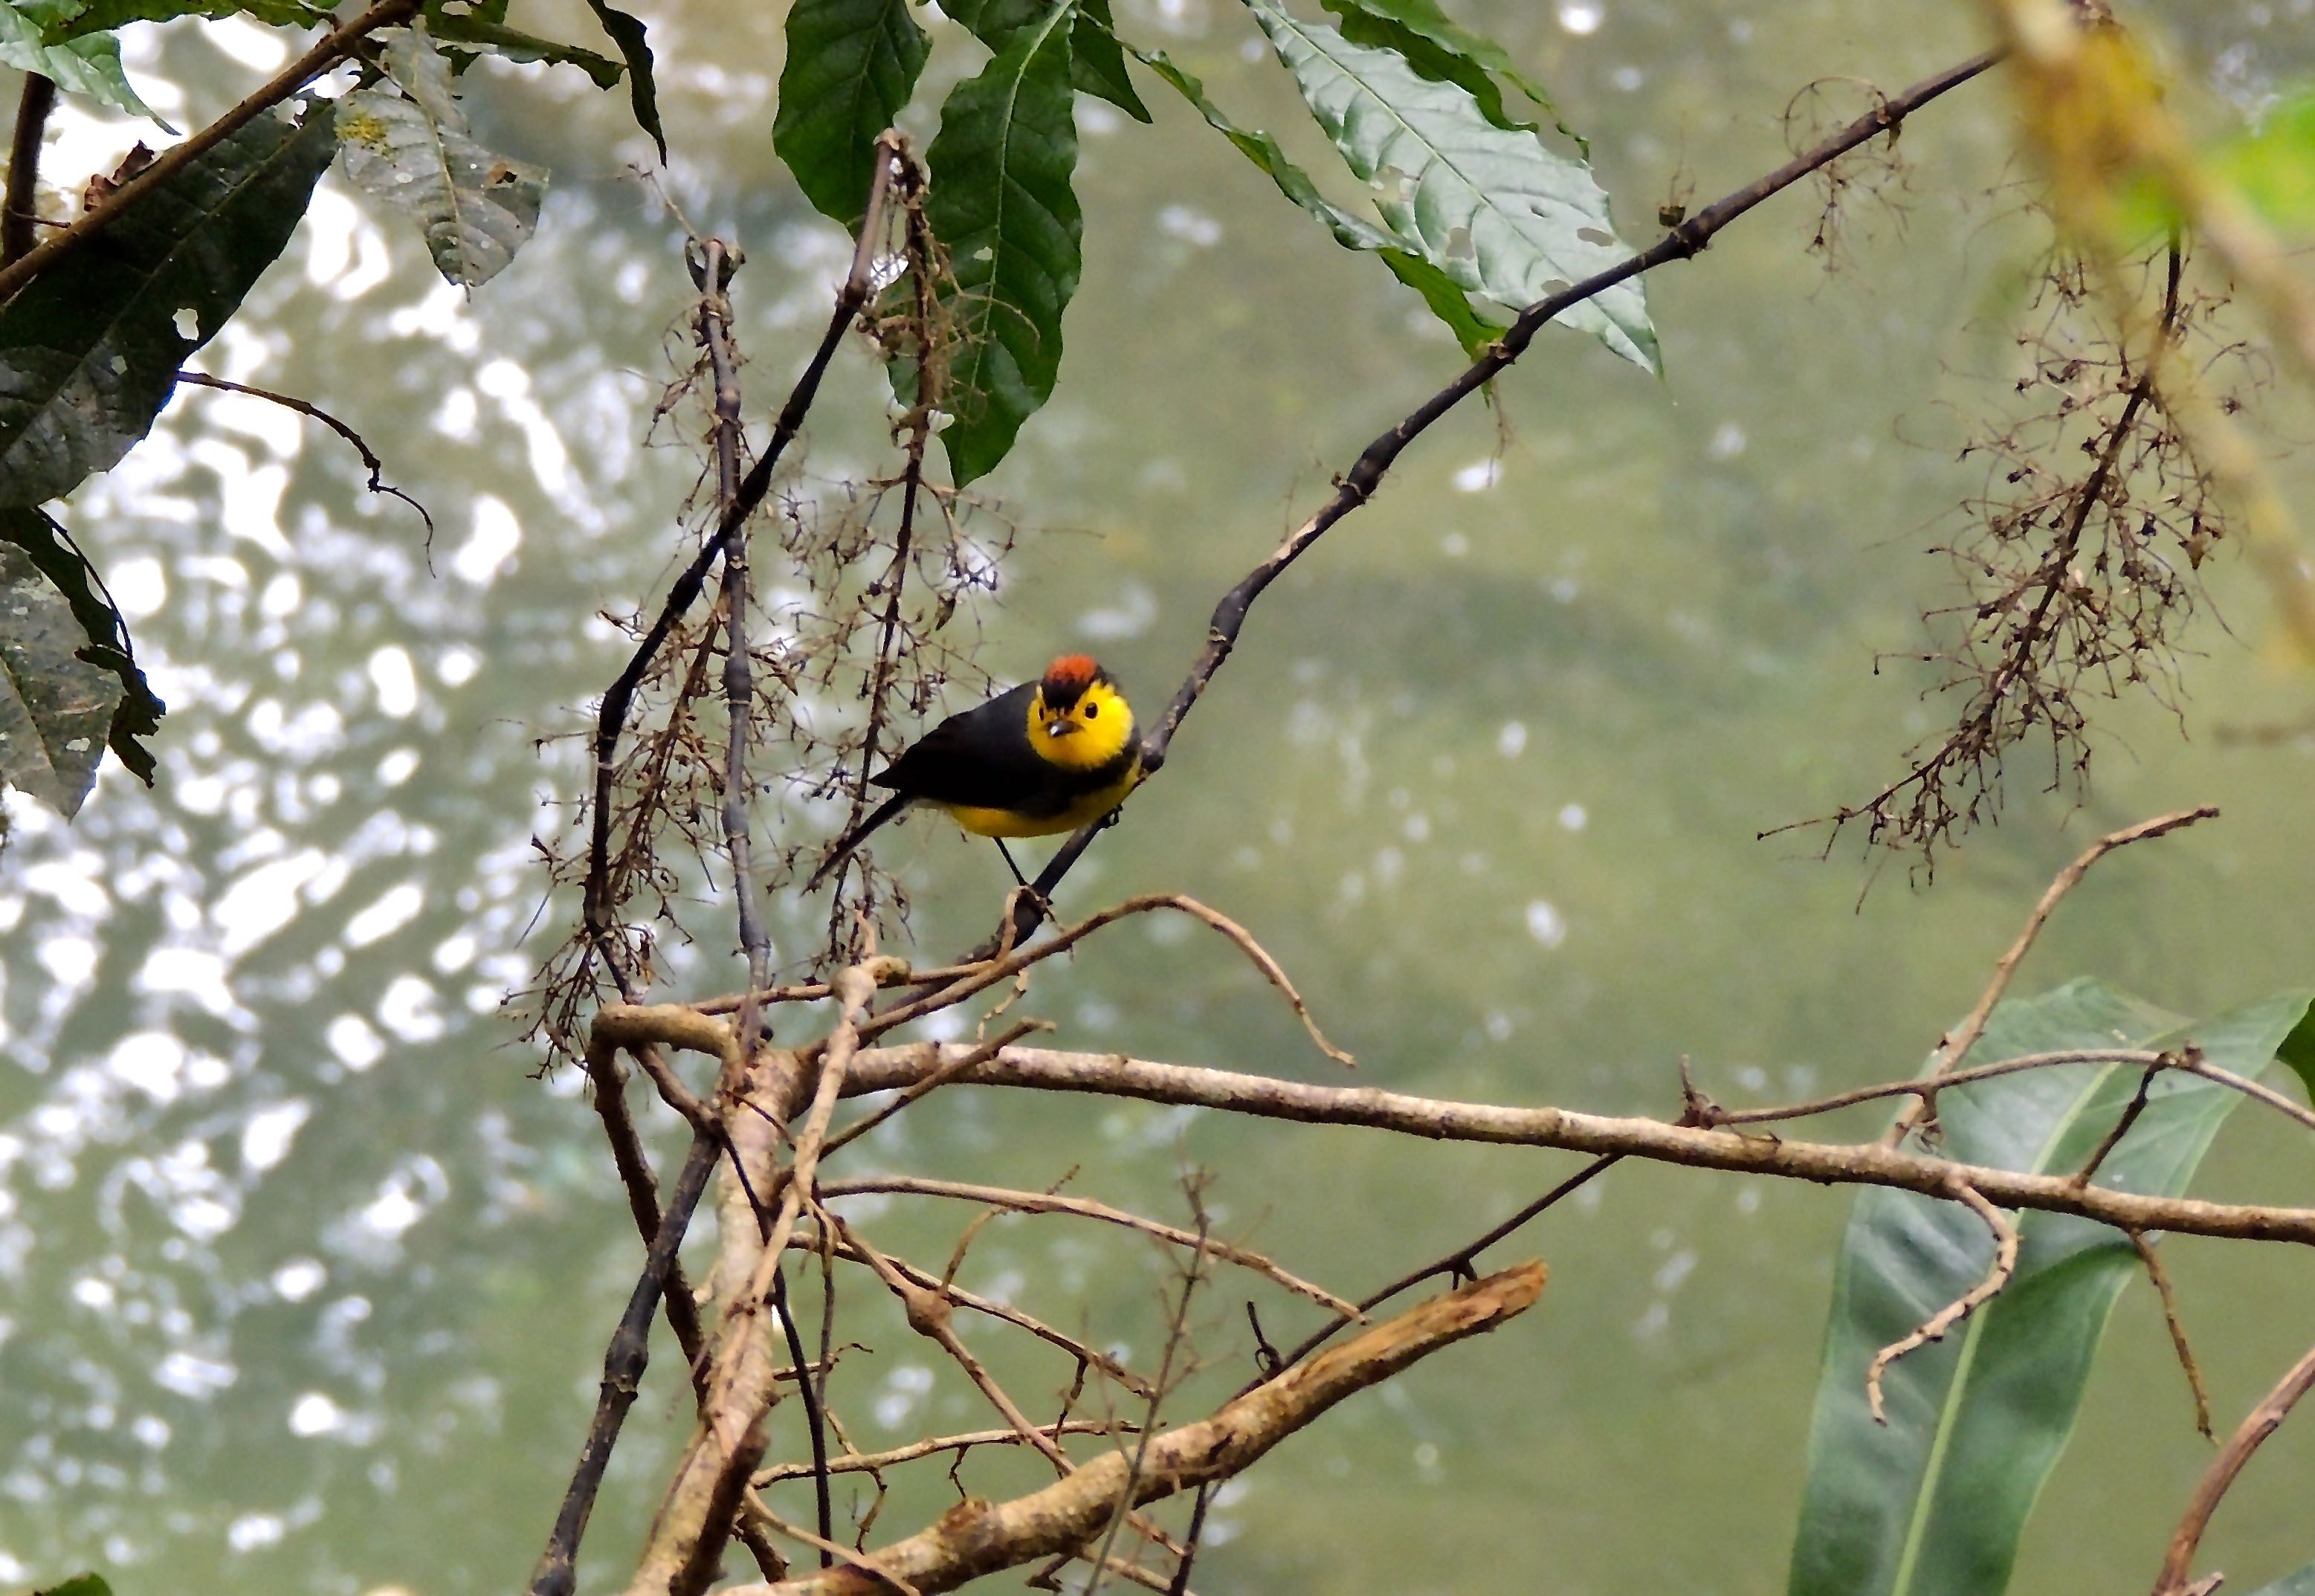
(1019, 880)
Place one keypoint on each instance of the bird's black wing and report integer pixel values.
(981, 758)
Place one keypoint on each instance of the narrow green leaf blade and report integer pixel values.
(1498, 212)
(1001, 200)
(480, 35)
(35, 534)
(88, 354)
(1446, 299)
(851, 67)
(89, 64)
(1934, 1503)
(475, 208)
(54, 708)
(632, 41)
(2298, 1052)
(1098, 61)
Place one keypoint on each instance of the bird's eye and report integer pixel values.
(1092, 710)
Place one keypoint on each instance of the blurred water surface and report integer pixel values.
(304, 1279)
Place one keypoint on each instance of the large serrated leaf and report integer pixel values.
(1934, 1503)
(1498, 212)
(89, 353)
(1001, 199)
(475, 208)
(851, 67)
(1447, 301)
(52, 551)
(54, 708)
(89, 65)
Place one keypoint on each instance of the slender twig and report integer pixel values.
(1116, 1075)
(334, 48)
(933, 1082)
(307, 407)
(20, 215)
(2152, 1259)
(2119, 1129)
(1354, 487)
(1939, 1323)
(623, 1367)
(933, 1445)
(2258, 1424)
(1955, 1045)
(1458, 1265)
(1050, 1203)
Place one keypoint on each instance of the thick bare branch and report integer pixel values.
(1836, 1163)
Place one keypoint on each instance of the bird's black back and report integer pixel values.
(981, 757)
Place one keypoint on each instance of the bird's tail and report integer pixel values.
(857, 836)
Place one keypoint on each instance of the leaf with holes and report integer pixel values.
(1447, 301)
(1001, 199)
(1934, 1502)
(415, 151)
(89, 354)
(851, 67)
(1495, 209)
(89, 64)
(36, 536)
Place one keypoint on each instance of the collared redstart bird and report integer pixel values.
(1046, 757)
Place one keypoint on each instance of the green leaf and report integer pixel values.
(1097, 62)
(2298, 1052)
(2273, 166)
(90, 65)
(76, 20)
(628, 35)
(1933, 1503)
(54, 708)
(499, 40)
(54, 555)
(413, 150)
(89, 353)
(1444, 53)
(87, 1585)
(1495, 211)
(1440, 292)
(1000, 200)
(851, 67)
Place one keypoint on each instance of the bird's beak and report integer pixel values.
(1059, 726)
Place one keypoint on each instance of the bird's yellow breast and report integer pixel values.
(1080, 811)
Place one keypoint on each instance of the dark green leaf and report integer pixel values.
(514, 45)
(1097, 62)
(90, 65)
(52, 551)
(628, 35)
(1001, 199)
(1933, 1503)
(54, 708)
(1439, 291)
(2298, 1052)
(1441, 51)
(76, 20)
(412, 150)
(88, 354)
(87, 1585)
(1495, 211)
(851, 67)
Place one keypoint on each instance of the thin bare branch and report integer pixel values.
(933, 1445)
(2152, 1259)
(307, 407)
(1940, 1322)
(2260, 1423)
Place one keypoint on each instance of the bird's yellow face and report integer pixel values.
(1078, 719)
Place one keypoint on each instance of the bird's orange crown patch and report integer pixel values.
(1068, 677)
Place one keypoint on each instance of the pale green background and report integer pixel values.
(304, 1280)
